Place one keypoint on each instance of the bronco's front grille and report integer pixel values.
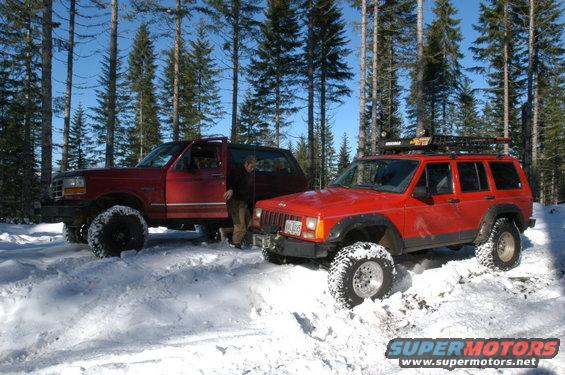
(276, 219)
(56, 189)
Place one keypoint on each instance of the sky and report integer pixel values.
(343, 119)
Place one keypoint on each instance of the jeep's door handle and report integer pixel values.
(489, 197)
(453, 200)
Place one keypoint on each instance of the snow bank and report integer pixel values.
(182, 306)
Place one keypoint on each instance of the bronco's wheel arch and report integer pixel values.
(495, 212)
(368, 227)
(104, 202)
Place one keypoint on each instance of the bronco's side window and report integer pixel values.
(437, 176)
(472, 176)
(505, 175)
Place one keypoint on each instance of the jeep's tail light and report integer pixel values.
(74, 185)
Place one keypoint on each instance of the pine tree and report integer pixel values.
(206, 104)
(301, 153)
(146, 132)
(252, 129)
(46, 95)
(69, 85)
(81, 145)
(362, 139)
(467, 121)
(237, 16)
(500, 47)
(274, 68)
(331, 70)
(344, 152)
(442, 70)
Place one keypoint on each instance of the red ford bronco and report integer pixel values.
(429, 192)
(177, 185)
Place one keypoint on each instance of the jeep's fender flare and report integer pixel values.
(495, 211)
(340, 230)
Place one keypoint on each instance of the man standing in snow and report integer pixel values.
(239, 197)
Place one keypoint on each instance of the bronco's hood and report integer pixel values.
(111, 173)
(332, 201)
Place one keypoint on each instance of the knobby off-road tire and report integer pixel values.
(502, 250)
(359, 271)
(117, 229)
(281, 259)
(75, 234)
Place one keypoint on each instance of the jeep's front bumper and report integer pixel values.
(531, 222)
(293, 247)
(67, 211)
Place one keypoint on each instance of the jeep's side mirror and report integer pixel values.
(421, 192)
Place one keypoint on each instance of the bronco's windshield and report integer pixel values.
(390, 175)
(160, 155)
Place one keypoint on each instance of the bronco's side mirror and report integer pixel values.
(421, 192)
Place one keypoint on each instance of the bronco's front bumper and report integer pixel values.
(68, 211)
(293, 247)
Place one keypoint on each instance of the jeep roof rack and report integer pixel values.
(441, 144)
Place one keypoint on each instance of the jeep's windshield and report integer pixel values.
(160, 155)
(390, 175)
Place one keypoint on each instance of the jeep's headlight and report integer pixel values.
(258, 212)
(74, 185)
(311, 223)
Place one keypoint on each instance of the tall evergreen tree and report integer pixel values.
(343, 156)
(500, 47)
(206, 104)
(467, 120)
(252, 129)
(237, 16)
(46, 95)
(81, 145)
(301, 153)
(145, 134)
(274, 68)
(442, 70)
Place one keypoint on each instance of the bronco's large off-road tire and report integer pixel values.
(502, 250)
(359, 271)
(75, 233)
(117, 229)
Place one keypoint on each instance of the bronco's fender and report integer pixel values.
(505, 209)
(340, 230)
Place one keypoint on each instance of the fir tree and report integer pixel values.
(81, 145)
(275, 66)
(206, 104)
(252, 129)
(467, 121)
(343, 156)
(146, 132)
(442, 70)
(301, 153)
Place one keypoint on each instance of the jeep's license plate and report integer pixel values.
(293, 227)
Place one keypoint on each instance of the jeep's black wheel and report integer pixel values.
(281, 259)
(359, 271)
(502, 249)
(75, 234)
(117, 229)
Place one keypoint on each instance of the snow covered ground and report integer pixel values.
(185, 307)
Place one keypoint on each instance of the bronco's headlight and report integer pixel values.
(258, 212)
(311, 223)
(74, 185)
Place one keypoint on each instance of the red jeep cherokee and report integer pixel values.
(400, 203)
(177, 185)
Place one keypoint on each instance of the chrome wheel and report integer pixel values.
(368, 279)
(505, 247)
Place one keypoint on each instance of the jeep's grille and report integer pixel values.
(56, 189)
(276, 219)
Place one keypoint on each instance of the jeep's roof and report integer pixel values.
(422, 156)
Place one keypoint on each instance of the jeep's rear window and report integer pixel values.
(390, 175)
(505, 175)
(268, 162)
(160, 155)
(472, 176)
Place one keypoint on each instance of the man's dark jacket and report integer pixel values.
(241, 182)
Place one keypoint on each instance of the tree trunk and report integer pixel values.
(362, 79)
(390, 94)
(505, 69)
(235, 69)
(420, 70)
(140, 125)
(28, 147)
(46, 111)
(323, 121)
(112, 72)
(176, 71)
(69, 88)
(277, 115)
(310, 79)
(374, 81)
